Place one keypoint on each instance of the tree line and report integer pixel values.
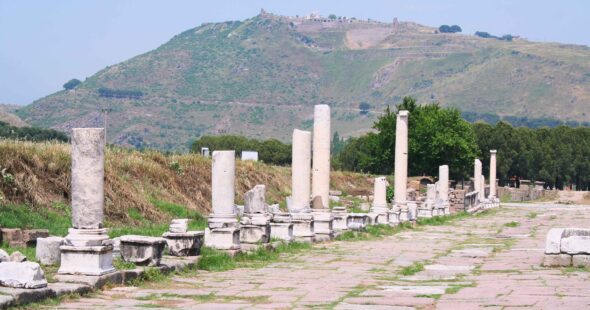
(34, 134)
(271, 151)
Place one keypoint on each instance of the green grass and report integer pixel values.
(27, 217)
(512, 224)
(214, 260)
(29, 252)
(455, 288)
(412, 269)
(531, 215)
(120, 264)
(435, 296)
(442, 220)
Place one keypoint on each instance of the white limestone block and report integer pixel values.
(553, 241)
(575, 245)
(22, 275)
(47, 251)
(3, 256)
(178, 226)
(142, 250)
(17, 257)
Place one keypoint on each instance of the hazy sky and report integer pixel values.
(43, 44)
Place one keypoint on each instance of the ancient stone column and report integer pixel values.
(476, 179)
(87, 178)
(493, 173)
(222, 182)
(223, 231)
(87, 248)
(321, 154)
(380, 192)
(401, 165)
(443, 179)
(320, 190)
(301, 171)
(379, 210)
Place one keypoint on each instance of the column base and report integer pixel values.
(223, 232)
(412, 210)
(394, 216)
(303, 227)
(358, 221)
(379, 215)
(323, 225)
(86, 252)
(184, 244)
(340, 216)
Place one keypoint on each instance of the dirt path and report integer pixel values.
(483, 261)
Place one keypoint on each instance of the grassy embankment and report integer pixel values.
(143, 190)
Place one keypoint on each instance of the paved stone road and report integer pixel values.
(480, 262)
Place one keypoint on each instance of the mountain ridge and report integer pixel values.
(260, 77)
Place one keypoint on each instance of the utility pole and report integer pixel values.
(105, 111)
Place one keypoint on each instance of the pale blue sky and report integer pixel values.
(45, 43)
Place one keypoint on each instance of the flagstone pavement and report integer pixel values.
(490, 261)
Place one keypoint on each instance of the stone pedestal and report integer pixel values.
(47, 250)
(323, 226)
(281, 227)
(222, 232)
(395, 215)
(254, 229)
(184, 243)
(340, 219)
(87, 249)
(358, 221)
(142, 250)
(303, 227)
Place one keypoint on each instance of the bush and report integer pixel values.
(270, 151)
(119, 93)
(71, 84)
(34, 134)
(449, 29)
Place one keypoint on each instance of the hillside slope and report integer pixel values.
(38, 174)
(260, 77)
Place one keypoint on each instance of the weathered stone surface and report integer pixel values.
(227, 238)
(568, 232)
(254, 233)
(255, 200)
(184, 244)
(557, 260)
(30, 236)
(13, 237)
(301, 172)
(178, 226)
(553, 241)
(22, 275)
(379, 192)
(47, 250)
(86, 260)
(493, 173)
(303, 227)
(316, 203)
(17, 257)
(581, 260)
(320, 184)
(282, 231)
(142, 250)
(87, 177)
(575, 245)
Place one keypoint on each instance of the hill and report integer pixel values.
(8, 115)
(260, 78)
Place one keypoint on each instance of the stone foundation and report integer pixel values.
(303, 227)
(323, 226)
(566, 247)
(281, 227)
(184, 243)
(142, 250)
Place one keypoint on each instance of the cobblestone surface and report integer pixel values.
(491, 261)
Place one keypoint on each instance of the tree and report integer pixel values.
(449, 29)
(332, 16)
(364, 107)
(437, 136)
(71, 84)
(456, 28)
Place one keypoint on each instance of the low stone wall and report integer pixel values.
(523, 194)
(457, 200)
(566, 247)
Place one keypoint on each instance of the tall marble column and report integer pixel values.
(301, 171)
(379, 209)
(321, 154)
(320, 183)
(401, 169)
(223, 230)
(493, 174)
(87, 248)
(299, 204)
